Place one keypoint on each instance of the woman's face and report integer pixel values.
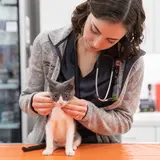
(100, 34)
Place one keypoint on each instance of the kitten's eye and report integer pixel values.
(65, 96)
(55, 96)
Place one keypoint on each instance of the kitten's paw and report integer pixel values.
(74, 147)
(70, 152)
(47, 152)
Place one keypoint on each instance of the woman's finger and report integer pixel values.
(76, 107)
(78, 102)
(74, 114)
(42, 105)
(71, 112)
(43, 111)
(42, 99)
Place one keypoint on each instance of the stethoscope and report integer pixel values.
(115, 94)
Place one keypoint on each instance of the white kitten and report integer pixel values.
(61, 128)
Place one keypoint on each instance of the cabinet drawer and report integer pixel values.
(158, 134)
(139, 134)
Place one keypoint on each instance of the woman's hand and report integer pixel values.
(42, 103)
(76, 108)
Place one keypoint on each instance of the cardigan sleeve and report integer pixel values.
(35, 79)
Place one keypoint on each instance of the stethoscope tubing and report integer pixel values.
(105, 99)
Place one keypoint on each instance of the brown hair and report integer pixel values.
(129, 12)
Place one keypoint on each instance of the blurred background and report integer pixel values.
(22, 20)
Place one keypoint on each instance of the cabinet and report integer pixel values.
(140, 134)
(158, 134)
(145, 129)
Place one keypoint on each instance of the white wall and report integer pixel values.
(152, 72)
(57, 13)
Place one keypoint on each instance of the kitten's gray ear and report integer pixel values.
(71, 81)
(54, 83)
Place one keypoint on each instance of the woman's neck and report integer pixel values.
(86, 59)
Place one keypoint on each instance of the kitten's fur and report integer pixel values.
(60, 128)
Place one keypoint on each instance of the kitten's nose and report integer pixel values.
(61, 103)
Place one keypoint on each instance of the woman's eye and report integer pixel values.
(111, 41)
(94, 31)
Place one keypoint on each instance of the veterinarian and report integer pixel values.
(101, 48)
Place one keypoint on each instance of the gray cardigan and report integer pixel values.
(109, 122)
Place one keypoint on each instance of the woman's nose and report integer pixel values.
(97, 42)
